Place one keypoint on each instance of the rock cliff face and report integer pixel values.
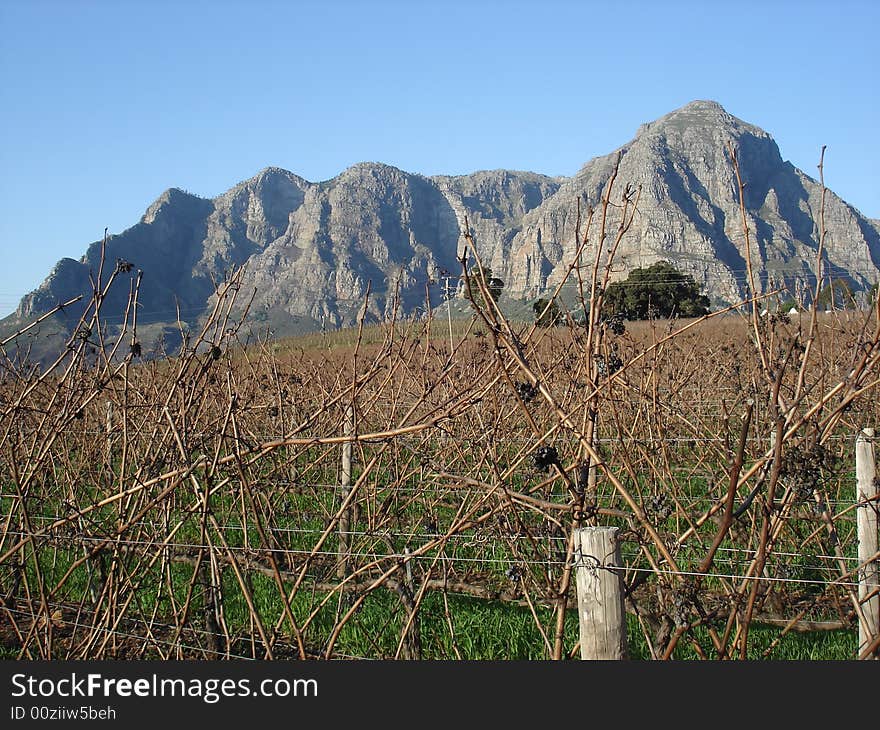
(310, 250)
(373, 224)
(688, 212)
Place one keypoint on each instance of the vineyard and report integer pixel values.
(411, 489)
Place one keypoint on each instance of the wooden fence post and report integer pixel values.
(601, 612)
(866, 517)
(345, 487)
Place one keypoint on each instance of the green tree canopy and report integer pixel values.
(838, 294)
(494, 285)
(549, 318)
(659, 290)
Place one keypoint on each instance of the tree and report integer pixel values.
(660, 290)
(494, 286)
(837, 295)
(549, 318)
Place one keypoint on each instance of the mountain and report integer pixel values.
(310, 250)
(688, 212)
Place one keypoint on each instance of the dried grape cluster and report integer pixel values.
(545, 457)
(660, 507)
(805, 469)
(608, 365)
(526, 391)
(684, 600)
(615, 324)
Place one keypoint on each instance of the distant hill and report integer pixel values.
(310, 249)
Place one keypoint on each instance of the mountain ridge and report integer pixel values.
(311, 248)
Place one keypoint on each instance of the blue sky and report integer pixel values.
(106, 104)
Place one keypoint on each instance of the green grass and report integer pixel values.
(480, 629)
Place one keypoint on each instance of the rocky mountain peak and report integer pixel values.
(267, 181)
(375, 171)
(700, 114)
(175, 198)
(703, 128)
